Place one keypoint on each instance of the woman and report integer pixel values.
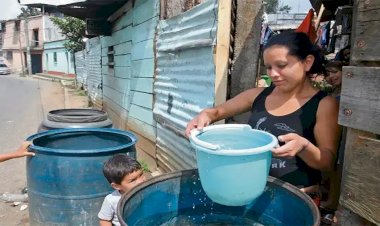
(303, 118)
(344, 55)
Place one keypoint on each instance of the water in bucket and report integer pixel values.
(233, 162)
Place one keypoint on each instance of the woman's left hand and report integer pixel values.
(294, 144)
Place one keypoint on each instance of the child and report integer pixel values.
(20, 152)
(123, 173)
(332, 179)
(334, 72)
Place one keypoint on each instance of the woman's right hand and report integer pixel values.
(198, 122)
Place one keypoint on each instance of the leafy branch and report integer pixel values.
(73, 29)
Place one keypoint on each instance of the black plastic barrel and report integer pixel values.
(178, 199)
(66, 185)
(75, 118)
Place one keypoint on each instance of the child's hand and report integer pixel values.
(23, 150)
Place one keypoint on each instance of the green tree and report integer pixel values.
(73, 29)
(271, 6)
(284, 9)
(28, 11)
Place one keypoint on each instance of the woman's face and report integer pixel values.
(334, 76)
(286, 71)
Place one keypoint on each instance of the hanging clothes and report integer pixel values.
(325, 37)
(266, 34)
(307, 26)
(333, 31)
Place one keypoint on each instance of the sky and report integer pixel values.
(298, 6)
(9, 9)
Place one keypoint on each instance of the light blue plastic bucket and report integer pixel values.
(233, 162)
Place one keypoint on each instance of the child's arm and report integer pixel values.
(20, 152)
(104, 223)
(106, 212)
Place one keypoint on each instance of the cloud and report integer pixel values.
(9, 9)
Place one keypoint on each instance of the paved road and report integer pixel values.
(23, 103)
(21, 112)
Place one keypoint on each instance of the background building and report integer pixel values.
(42, 33)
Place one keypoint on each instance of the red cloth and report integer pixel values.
(307, 26)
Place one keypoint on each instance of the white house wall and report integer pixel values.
(64, 63)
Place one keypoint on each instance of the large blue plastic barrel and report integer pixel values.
(179, 199)
(66, 185)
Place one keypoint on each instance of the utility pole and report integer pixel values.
(28, 58)
(21, 52)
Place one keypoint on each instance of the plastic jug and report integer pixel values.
(233, 162)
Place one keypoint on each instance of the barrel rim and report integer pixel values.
(83, 151)
(293, 189)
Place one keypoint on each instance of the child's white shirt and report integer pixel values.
(108, 211)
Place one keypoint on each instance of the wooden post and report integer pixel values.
(246, 50)
(318, 21)
(222, 52)
(360, 197)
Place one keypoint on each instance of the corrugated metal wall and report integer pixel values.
(128, 85)
(185, 78)
(94, 71)
(80, 69)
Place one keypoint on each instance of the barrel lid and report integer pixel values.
(77, 115)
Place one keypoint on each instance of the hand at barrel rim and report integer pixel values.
(23, 150)
(198, 122)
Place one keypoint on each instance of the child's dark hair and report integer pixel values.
(118, 166)
(300, 46)
(335, 64)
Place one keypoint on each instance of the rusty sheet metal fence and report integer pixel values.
(185, 80)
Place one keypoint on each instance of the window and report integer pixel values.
(110, 55)
(72, 57)
(35, 37)
(17, 25)
(55, 57)
(9, 55)
(3, 26)
(16, 33)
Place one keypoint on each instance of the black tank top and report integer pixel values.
(293, 170)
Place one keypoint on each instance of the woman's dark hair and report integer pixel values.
(119, 166)
(340, 55)
(300, 46)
